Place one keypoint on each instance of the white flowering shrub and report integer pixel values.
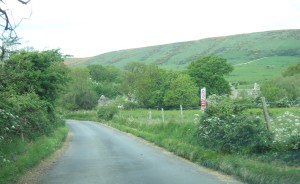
(286, 129)
(8, 124)
(223, 127)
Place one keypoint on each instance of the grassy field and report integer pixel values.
(157, 117)
(260, 70)
(180, 136)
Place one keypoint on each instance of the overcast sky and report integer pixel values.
(90, 27)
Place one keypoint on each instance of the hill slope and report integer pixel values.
(255, 56)
(236, 49)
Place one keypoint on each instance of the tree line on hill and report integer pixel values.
(148, 86)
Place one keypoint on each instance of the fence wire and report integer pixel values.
(286, 104)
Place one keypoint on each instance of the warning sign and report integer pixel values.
(203, 98)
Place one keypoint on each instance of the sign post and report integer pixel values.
(203, 98)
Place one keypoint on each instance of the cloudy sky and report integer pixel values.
(90, 27)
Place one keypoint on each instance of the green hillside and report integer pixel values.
(256, 56)
(247, 74)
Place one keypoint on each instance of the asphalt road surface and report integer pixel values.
(101, 155)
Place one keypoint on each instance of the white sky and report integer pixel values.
(90, 27)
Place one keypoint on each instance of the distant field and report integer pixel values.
(259, 70)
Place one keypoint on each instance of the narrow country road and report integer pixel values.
(100, 155)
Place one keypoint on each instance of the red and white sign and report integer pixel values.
(203, 98)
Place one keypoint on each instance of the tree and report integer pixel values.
(80, 93)
(42, 73)
(86, 100)
(209, 72)
(272, 91)
(107, 79)
(144, 83)
(133, 71)
(100, 73)
(291, 84)
(182, 91)
(30, 84)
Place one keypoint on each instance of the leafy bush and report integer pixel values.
(223, 127)
(238, 133)
(282, 91)
(33, 118)
(107, 112)
(282, 103)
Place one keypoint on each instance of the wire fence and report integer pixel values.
(182, 114)
(277, 104)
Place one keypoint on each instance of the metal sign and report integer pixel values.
(203, 98)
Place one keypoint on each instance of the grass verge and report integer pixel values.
(81, 115)
(21, 155)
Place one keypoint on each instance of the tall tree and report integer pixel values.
(209, 72)
(144, 83)
(107, 79)
(133, 72)
(182, 91)
(101, 73)
(81, 93)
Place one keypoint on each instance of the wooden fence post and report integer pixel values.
(266, 113)
(181, 113)
(162, 115)
(150, 116)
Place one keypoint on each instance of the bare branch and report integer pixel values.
(3, 12)
(23, 18)
(8, 38)
(24, 2)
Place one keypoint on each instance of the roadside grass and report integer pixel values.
(19, 156)
(181, 138)
(154, 116)
(275, 111)
(81, 115)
